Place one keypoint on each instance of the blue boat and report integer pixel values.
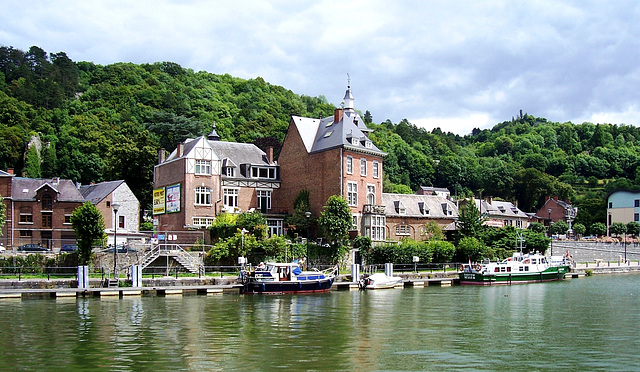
(280, 278)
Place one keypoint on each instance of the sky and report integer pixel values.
(456, 65)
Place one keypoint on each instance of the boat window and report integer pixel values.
(508, 269)
(534, 261)
(526, 268)
(521, 268)
(497, 270)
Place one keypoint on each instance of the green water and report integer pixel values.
(578, 324)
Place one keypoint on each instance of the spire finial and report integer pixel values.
(348, 81)
(213, 136)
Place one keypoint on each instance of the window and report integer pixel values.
(46, 220)
(263, 172)
(275, 227)
(67, 219)
(371, 194)
(203, 167)
(377, 228)
(230, 198)
(368, 144)
(636, 217)
(403, 230)
(355, 142)
(26, 233)
(376, 170)
(120, 221)
(26, 218)
(349, 165)
(203, 195)
(636, 203)
(230, 171)
(352, 194)
(610, 204)
(363, 167)
(264, 200)
(354, 221)
(47, 202)
(203, 221)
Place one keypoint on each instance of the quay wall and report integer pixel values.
(590, 251)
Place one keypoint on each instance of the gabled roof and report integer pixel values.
(239, 153)
(97, 192)
(500, 208)
(324, 134)
(5, 174)
(418, 205)
(26, 189)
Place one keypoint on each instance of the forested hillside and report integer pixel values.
(91, 123)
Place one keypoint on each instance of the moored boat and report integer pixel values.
(277, 278)
(527, 268)
(379, 281)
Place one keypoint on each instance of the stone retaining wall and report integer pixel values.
(590, 251)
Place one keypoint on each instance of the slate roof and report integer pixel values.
(417, 205)
(97, 192)
(500, 208)
(325, 134)
(25, 189)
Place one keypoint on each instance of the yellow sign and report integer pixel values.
(158, 201)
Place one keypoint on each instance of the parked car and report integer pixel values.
(69, 248)
(32, 247)
(121, 249)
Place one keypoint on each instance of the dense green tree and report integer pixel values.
(469, 223)
(598, 228)
(633, 228)
(579, 229)
(559, 227)
(617, 228)
(470, 249)
(336, 219)
(88, 224)
(32, 163)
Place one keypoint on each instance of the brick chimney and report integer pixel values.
(270, 154)
(180, 150)
(10, 170)
(337, 115)
(162, 155)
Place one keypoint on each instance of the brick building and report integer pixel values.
(38, 211)
(407, 214)
(554, 210)
(334, 156)
(204, 176)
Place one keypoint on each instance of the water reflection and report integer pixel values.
(581, 324)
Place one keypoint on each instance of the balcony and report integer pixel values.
(373, 209)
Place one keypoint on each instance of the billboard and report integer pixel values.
(172, 198)
(159, 201)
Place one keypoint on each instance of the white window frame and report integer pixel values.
(203, 221)
(371, 194)
(230, 197)
(377, 227)
(363, 167)
(203, 195)
(230, 171)
(376, 169)
(352, 193)
(403, 230)
(203, 167)
(275, 227)
(349, 164)
(263, 172)
(259, 195)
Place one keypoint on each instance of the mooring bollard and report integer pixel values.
(355, 272)
(388, 269)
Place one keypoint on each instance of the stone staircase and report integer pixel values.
(184, 258)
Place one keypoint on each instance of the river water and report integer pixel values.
(578, 324)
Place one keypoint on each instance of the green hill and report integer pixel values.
(90, 123)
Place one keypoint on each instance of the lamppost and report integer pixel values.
(550, 235)
(115, 207)
(306, 260)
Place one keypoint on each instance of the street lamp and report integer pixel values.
(550, 235)
(306, 260)
(115, 207)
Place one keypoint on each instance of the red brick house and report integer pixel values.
(38, 211)
(334, 156)
(554, 210)
(204, 176)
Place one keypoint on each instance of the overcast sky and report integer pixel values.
(457, 65)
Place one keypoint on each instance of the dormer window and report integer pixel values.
(423, 208)
(263, 172)
(47, 202)
(355, 142)
(368, 144)
(230, 171)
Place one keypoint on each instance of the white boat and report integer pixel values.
(521, 268)
(379, 281)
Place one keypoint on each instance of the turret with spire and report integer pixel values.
(213, 136)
